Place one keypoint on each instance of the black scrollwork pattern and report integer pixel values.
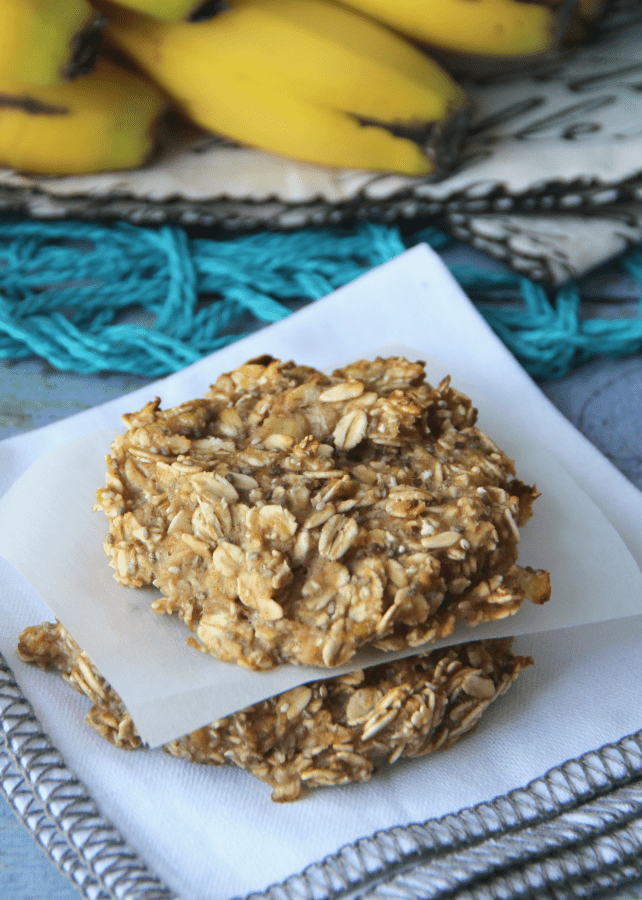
(551, 249)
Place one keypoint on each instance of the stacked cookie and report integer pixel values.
(293, 517)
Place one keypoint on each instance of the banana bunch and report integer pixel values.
(343, 83)
(304, 78)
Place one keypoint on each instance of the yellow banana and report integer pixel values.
(303, 78)
(481, 27)
(249, 112)
(167, 10)
(47, 41)
(326, 54)
(99, 122)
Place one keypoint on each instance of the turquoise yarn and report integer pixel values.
(92, 297)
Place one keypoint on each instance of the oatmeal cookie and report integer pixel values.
(327, 732)
(292, 516)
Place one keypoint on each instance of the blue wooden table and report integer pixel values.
(603, 399)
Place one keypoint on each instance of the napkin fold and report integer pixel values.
(213, 833)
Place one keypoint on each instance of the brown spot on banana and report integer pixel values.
(84, 47)
(440, 140)
(31, 106)
(206, 9)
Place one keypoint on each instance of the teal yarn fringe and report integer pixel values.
(92, 297)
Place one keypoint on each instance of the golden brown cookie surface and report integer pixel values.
(290, 516)
(328, 732)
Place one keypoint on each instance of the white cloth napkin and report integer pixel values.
(213, 833)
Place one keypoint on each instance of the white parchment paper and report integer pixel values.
(49, 533)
